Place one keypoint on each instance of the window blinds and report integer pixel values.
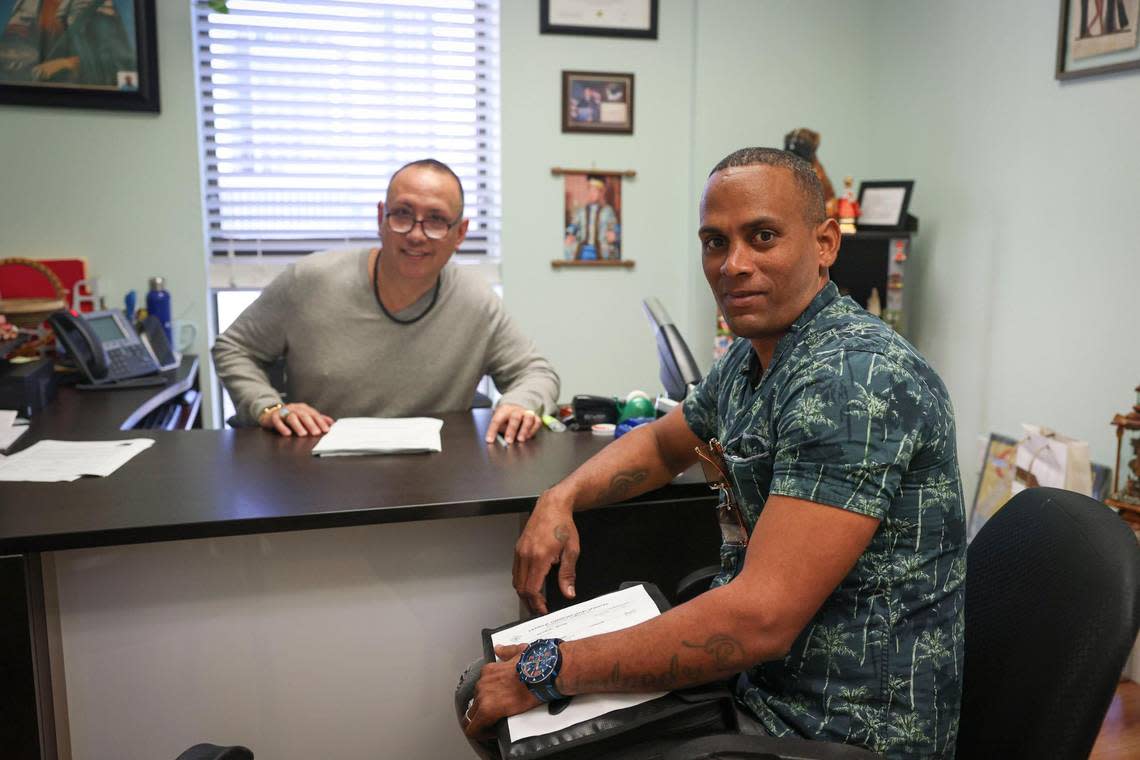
(308, 107)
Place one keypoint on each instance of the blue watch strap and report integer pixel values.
(545, 691)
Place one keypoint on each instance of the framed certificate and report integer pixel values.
(599, 18)
(883, 204)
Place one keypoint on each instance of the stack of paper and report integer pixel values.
(352, 436)
(54, 461)
(10, 429)
(604, 614)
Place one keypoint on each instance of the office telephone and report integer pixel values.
(104, 346)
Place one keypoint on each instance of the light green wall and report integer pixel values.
(122, 189)
(764, 69)
(1025, 278)
(589, 321)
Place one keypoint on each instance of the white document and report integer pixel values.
(54, 461)
(604, 614)
(375, 435)
(9, 430)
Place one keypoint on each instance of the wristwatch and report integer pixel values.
(538, 667)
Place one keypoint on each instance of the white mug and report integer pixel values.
(184, 335)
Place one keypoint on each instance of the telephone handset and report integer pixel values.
(104, 345)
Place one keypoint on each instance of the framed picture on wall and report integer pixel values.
(883, 204)
(596, 102)
(599, 18)
(98, 54)
(1097, 37)
(591, 218)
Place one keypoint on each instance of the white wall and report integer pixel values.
(1028, 259)
(119, 188)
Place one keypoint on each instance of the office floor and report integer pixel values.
(1120, 734)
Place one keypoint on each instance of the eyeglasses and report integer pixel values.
(732, 530)
(434, 227)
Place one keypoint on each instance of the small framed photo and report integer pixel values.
(1097, 37)
(883, 204)
(592, 216)
(599, 18)
(79, 54)
(596, 102)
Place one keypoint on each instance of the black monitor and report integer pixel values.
(679, 371)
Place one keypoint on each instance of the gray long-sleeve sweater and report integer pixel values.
(347, 359)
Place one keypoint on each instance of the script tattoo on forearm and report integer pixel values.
(676, 675)
(727, 657)
(621, 484)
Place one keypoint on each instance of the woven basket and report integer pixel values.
(30, 312)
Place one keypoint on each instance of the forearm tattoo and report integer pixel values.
(621, 484)
(725, 653)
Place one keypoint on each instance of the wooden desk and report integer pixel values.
(198, 487)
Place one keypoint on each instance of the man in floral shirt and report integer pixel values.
(840, 597)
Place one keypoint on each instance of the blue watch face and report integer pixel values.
(539, 662)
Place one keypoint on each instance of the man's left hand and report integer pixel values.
(499, 694)
(515, 423)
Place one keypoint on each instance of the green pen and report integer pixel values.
(553, 423)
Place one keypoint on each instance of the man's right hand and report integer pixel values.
(549, 537)
(295, 419)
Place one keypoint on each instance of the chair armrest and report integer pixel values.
(767, 747)
(695, 583)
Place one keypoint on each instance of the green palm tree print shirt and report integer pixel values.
(849, 415)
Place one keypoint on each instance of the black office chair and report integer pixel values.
(1052, 611)
(215, 752)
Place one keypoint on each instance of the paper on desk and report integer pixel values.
(9, 430)
(351, 436)
(53, 461)
(603, 614)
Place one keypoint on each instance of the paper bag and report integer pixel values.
(1051, 460)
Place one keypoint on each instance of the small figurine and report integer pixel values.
(804, 143)
(848, 208)
(1127, 499)
(874, 303)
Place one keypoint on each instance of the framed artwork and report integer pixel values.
(1097, 37)
(883, 204)
(599, 18)
(76, 54)
(591, 218)
(597, 102)
(995, 482)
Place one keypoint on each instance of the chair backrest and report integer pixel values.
(1052, 610)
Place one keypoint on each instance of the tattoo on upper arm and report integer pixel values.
(623, 483)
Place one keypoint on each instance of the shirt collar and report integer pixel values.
(826, 295)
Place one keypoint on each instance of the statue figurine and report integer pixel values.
(804, 143)
(1126, 496)
(848, 208)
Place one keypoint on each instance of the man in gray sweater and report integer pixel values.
(386, 332)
